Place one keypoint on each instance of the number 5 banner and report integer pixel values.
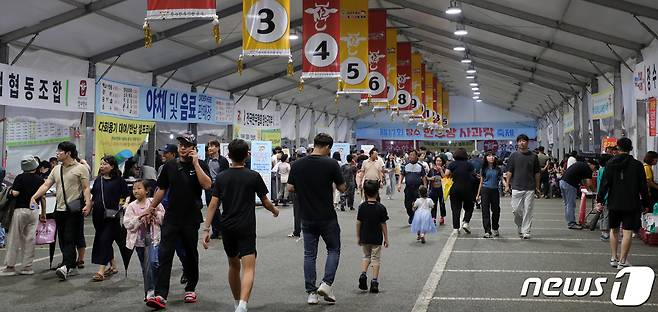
(266, 27)
(377, 56)
(354, 45)
(321, 32)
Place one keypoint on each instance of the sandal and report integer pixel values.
(190, 297)
(110, 271)
(98, 277)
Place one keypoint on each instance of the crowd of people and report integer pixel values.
(159, 214)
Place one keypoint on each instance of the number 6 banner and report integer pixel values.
(377, 56)
(354, 45)
(266, 28)
(321, 32)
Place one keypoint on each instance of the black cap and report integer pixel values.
(169, 148)
(187, 139)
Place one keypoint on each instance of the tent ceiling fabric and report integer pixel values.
(528, 52)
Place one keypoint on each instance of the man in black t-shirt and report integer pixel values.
(312, 178)
(570, 188)
(185, 178)
(235, 189)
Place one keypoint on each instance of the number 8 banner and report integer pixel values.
(404, 80)
(354, 45)
(266, 27)
(377, 57)
(321, 32)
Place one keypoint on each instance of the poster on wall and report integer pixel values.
(549, 133)
(25, 87)
(131, 101)
(343, 149)
(252, 124)
(261, 160)
(29, 132)
(567, 118)
(651, 110)
(119, 137)
(602, 104)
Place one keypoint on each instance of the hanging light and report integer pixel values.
(459, 48)
(461, 30)
(471, 70)
(466, 60)
(294, 36)
(453, 9)
(476, 93)
(475, 89)
(478, 100)
(470, 76)
(473, 84)
(476, 97)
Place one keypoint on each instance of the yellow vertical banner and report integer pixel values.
(439, 101)
(354, 46)
(429, 95)
(416, 83)
(392, 65)
(266, 27)
(446, 107)
(119, 137)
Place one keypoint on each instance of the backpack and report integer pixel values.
(7, 205)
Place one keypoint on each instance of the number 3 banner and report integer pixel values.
(266, 27)
(321, 32)
(354, 45)
(377, 56)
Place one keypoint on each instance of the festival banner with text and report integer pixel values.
(436, 100)
(321, 34)
(404, 81)
(377, 59)
(354, 46)
(266, 27)
(416, 83)
(602, 104)
(445, 107)
(119, 137)
(392, 65)
(429, 96)
(176, 9)
(652, 116)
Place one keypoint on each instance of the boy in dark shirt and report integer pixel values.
(235, 188)
(371, 231)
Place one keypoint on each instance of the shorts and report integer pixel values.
(629, 220)
(372, 253)
(238, 244)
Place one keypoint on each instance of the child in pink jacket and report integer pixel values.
(143, 234)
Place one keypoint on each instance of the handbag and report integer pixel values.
(109, 213)
(76, 205)
(45, 233)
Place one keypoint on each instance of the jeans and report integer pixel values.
(523, 203)
(392, 183)
(297, 220)
(570, 197)
(490, 209)
(437, 197)
(459, 200)
(283, 193)
(347, 198)
(68, 228)
(188, 235)
(545, 184)
(149, 268)
(329, 230)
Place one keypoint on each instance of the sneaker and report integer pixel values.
(374, 287)
(518, 230)
(614, 262)
(442, 221)
(605, 237)
(241, 309)
(575, 227)
(327, 292)
(157, 303)
(190, 297)
(466, 227)
(352, 209)
(62, 273)
(622, 265)
(363, 282)
(8, 272)
(487, 235)
(418, 237)
(292, 235)
(313, 298)
(26, 271)
(150, 295)
(455, 232)
(496, 233)
(526, 236)
(342, 208)
(73, 272)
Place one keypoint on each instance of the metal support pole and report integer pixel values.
(618, 104)
(576, 124)
(4, 59)
(584, 124)
(168, 78)
(151, 147)
(108, 69)
(602, 73)
(18, 57)
(297, 122)
(621, 59)
(193, 127)
(87, 128)
(648, 29)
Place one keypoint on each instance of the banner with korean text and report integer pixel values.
(174, 9)
(25, 87)
(404, 80)
(354, 46)
(651, 110)
(254, 124)
(416, 83)
(266, 27)
(458, 132)
(119, 137)
(602, 104)
(392, 65)
(377, 59)
(321, 33)
(131, 101)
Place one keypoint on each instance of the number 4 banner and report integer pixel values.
(354, 45)
(321, 32)
(377, 56)
(266, 28)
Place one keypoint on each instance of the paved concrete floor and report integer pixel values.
(479, 274)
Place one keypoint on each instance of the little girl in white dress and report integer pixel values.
(422, 222)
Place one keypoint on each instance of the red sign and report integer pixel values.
(435, 99)
(404, 77)
(320, 34)
(170, 9)
(652, 116)
(377, 60)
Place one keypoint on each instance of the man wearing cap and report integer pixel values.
(185, 178)
(169, 152)
(23, 222)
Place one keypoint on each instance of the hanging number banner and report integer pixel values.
(377, 58)
(429, 96)
(173, 9)
(392, 65)
(321, 33)
(436, 101)
(266, 27)
(354, 45)
(445, 107)
(404, 77)
(416, 83)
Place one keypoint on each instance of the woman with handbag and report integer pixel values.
(108, 196)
